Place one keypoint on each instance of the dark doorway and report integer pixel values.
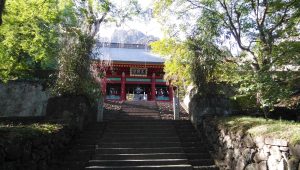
(138, 92)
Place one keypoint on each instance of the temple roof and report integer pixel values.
(128, 53)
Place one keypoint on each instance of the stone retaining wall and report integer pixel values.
(200, 105)
(241, 151)
(33, 152)
(23, 99)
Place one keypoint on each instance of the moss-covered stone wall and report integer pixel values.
(33, 146)
(239, 150)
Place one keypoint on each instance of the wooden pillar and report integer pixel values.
(153, 97)
(123, 92)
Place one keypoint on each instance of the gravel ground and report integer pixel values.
(113, 106)
(166, 111)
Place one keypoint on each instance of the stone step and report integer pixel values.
(80, 156)
(188, 135)
(141, 114)
(138, 117)
(140, 131)
(91, 136)
(142, 122)
(146, 125)
(183, 124)
(84, 147)
(137, 162)
(140, 128)
(101, 156)
(201, 149)
(141, 111)
(87, 141)
(198, 155)
(188, 131)
(140, 144)
(139, 150)
(95, 127)
(201, 162)
(211, 167)
(189, 139)
(146, 110)
(153, 167)
(69, 165)
(192, 144)
(139, 139)
(138, 135)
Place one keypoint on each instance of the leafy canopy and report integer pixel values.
(262, 36)
(28, 36)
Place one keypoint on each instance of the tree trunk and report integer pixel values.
(2, 4)
(266, 113)
(265, 109)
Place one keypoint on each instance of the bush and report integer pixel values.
(74, 74)
(243, 102)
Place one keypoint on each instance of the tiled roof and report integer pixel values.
(134, 53)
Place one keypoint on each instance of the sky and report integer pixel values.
(151, 27)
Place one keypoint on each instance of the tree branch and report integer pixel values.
(283, 17)
(97, 25)
(200, 6)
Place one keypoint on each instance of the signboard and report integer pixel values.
(138, 72)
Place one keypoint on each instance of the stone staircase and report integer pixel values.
(81, 151)
(140, 141)
(150, 144)
(135, 110)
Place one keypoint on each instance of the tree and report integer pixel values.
(92, 13)
(75, 74)
(28, 36)
(2, 4)
(260, 29)
(178, 61)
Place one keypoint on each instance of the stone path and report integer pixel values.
(134, 110)
(136, 138)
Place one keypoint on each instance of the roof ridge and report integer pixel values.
(124, 45)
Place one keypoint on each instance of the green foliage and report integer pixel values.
(178, 63)
(74, 76)
(2, 5)
(31, 130)
(263, 36)
(193, 61)
(243, 102)
(28, 36)
(81, 23)
(205, 60)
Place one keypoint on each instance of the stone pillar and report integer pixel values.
(123, 92)
(100, 109)
(153, 97)
(104, 84)
(176, 104)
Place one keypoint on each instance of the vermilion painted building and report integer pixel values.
(134, 73)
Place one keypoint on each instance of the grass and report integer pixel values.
(36, 129)
(279, 129)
